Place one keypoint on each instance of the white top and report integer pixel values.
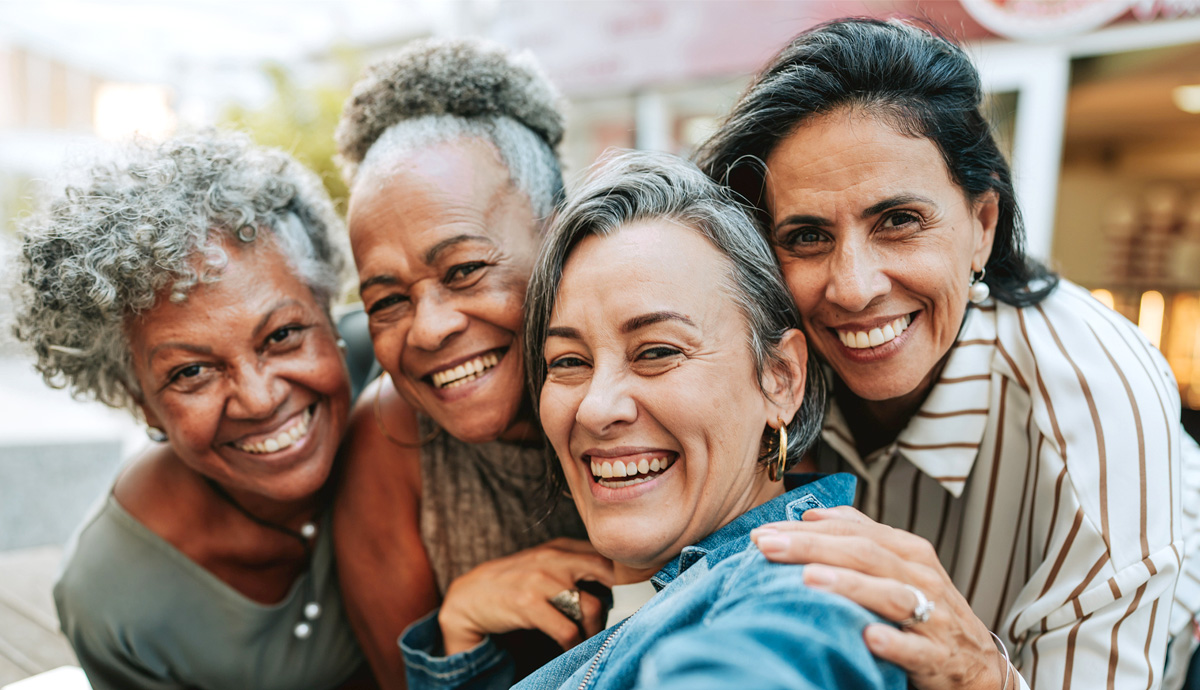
(627, 599)
(1044, 468)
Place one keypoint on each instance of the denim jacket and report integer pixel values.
(723, 617)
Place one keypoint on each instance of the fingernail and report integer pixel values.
(759, 531)
(817, 576)
(771, 543)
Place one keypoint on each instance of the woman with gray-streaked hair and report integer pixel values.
(190, 282)
(449, 152)
(675, 405)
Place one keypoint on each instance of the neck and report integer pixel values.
(876, 423)
(525, 429)
(289, 513)
(762, 491)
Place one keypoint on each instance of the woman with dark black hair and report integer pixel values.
(1017, 443)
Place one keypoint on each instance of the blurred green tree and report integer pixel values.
(301, 119)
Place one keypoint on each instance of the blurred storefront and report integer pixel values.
(1097, 102)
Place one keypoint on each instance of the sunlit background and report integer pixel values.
(1097, 102)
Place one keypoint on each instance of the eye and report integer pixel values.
(567, 362)
(461, 271)
(805, 239)
(901, 219)
(282, 334)
(190, 371)
(385, 302)
(658, 352)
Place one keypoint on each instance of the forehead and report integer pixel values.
(854, 153)
(253, 281)
(643, 267)
(417, 196)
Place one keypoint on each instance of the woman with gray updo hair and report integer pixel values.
(191, 283)
(449, 151)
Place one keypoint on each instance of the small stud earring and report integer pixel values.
(341, 344)
(979, 290)
(157, 435)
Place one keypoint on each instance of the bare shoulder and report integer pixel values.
(377, 462)
(157, 491)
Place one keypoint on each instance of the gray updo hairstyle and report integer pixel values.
(442, 90)
(151, 225)
(636, 186)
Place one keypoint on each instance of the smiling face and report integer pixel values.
(657, 374)
(444, 245)
(245, 377)
(877, 244)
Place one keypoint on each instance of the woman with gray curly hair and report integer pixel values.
(191, 283)
(449, 152)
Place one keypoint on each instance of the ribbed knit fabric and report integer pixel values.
(481, 501)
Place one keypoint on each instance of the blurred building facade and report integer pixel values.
(1097, 103)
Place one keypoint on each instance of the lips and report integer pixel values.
(466, 372)
(286, 436)
(874, 337)
(627, 471)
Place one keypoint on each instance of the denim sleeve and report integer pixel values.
(769, 630)
(485, 667)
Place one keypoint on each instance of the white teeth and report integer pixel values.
(627, 473)
(283, 439)
(466, 372)
(875, 337)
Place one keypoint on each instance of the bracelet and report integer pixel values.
(1007, 663)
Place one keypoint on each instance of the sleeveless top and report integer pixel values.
(482, 501)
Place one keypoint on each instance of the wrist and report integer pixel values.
(457, 637)
(1006, 667)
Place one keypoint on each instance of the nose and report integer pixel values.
(606, 405)
(856, 278)
(435, 321)
(258, 392)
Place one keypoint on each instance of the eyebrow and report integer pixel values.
(872, 210)
(204, 349)
(631, 325)
(432, 253)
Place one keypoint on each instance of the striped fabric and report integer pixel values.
(1044, 467)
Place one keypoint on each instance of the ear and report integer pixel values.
(987, 214)
(784, 382)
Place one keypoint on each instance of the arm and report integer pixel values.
(771, 631)
(383, 570)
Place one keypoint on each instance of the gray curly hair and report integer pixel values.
(153, 224)
(441, 90)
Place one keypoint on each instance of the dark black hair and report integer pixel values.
(921, 83)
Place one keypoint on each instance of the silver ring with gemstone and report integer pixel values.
(567, 602)
(921, 612)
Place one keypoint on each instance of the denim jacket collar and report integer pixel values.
(827, 490)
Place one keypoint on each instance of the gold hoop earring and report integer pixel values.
(776, 469)
(383, 430)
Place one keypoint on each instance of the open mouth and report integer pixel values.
(862, 340)
(614, 474)
(466, 372)
(287, 436)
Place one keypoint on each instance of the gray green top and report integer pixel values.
(481, 501)
(141, 615)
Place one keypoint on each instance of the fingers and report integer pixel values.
(912, 653)
(884, 596)
(593, 614)
(543, 616)
(902, 544)
(854, 552)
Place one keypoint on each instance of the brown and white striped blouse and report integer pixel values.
(1044, 467)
